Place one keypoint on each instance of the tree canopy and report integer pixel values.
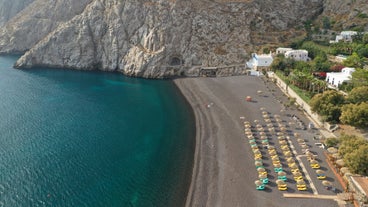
(354, 151)
(358, 95)
(328, 105)
(355, 114)
(360, 77)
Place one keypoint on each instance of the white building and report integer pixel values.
(298, 55)
(346, 36)
(282, 50)
(259, 62)
(337, 78)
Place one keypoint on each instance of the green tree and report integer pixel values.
(360, 77)
(357, 161)
(331, 142)
(353, 61)
(355, 114)
(349, 143)
(328, 105)
(326, 23)
(358, 95)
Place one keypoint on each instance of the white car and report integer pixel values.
(320, 145)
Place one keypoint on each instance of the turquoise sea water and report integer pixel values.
(72, 138)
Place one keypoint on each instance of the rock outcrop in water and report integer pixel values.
(153, 38)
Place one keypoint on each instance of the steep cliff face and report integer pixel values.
(167, 37)
(346, 14)
(35, 22)
(8, 9)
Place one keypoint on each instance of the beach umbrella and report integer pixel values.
(288, 154)
(263, 137)
(309, 153)
(270, 125)
(304, 146)
(260, 170)
(340, 163)
(275, 158)
(344, 170)
(250, 137)
(282, 129)
(276, 116)
(280, 137)
(265, 116)
(267, 120)
(300, 140)
(252, 142)
(258, 159)
(248, 133)
(297, 174)
(280, 182)
(258, 164)
(293, 166)
(273, 152)
(264, 112)
(262, 108)
(282, 142)
(278, 120)
(262, 176)
(262, 133)
(313, 162)
(282, 173)
(256, 121)
(326, 183)
(290, 159)
(296, 134)
(258, 126)
(300, 182)
(247, 130)
(285, 147)
(247, 122)
(277, 165)
(280, 134)
(271, 148)
(258, 183)
(257, 152)
(265, 142)
(320, 172)
(261, 130)
(332, 150)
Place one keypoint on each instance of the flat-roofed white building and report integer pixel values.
(299, 55)
(283, 50)
(346, 36)
(259, 62)
(337, 78)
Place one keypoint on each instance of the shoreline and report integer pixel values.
(190, 96)
(223, 171)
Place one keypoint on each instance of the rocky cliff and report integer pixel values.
(346, 14)
(153, 38)
(8, 9)
(36, 21)
(166, 37)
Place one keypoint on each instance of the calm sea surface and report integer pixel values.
(72, 138)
